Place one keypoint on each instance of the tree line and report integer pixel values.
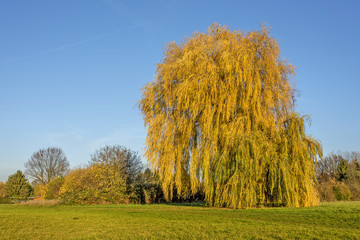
(114, 174)
(338, 176)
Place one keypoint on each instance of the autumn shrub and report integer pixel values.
(333, 190)
(52, 189)
(326, 191)
(341, 191)
(355, 191)
(93, 185)
(101, 184)
(39, 190)
(2, 189)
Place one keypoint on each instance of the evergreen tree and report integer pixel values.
(18, 186)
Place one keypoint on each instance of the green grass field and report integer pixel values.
(339, 220)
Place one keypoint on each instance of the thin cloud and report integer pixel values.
(77, 43)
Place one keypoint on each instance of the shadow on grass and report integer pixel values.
(188, 204)
(5, 201)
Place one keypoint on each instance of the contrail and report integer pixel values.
(68, 45)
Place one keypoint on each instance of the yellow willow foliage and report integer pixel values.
(220, 115)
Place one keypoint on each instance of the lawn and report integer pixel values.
(339, 220)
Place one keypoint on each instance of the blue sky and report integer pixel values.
(71, 72)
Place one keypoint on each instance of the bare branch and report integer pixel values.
(46, 164)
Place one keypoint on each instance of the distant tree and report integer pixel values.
(2, 189)
(342, 170)
(340, 166)
(47, 164)
(328, 166)
(339, 176)
(220, 114)
(353, 174)
(149, 177)
(18, 186)
(122, 161)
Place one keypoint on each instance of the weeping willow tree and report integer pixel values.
(220, 115)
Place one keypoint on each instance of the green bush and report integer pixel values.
(17, 186)
(2, 189)
(325, 191)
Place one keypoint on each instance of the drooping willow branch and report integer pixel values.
(220, 115)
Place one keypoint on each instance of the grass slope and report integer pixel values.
(339, 220)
